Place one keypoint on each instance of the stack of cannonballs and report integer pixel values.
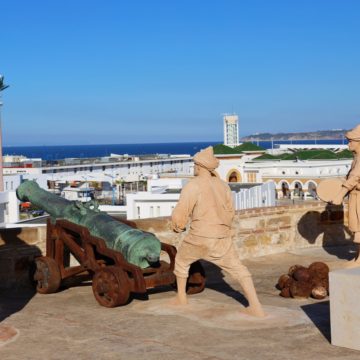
(302, 282)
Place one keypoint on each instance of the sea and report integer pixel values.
(58, 152)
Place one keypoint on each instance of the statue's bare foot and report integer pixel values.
(254, 311)
(177, 300)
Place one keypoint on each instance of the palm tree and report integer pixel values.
(2, 85)
(2, 88)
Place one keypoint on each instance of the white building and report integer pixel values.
(128, 170)
(165, 183)
(82, 193)
(9, 208)
(148, 204)
(9, 204)
(231, 130)
(291, 177)
(145, 204)
(160, 199)
(11, 182)
(232, 167)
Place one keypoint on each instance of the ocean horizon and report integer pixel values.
(57, 152)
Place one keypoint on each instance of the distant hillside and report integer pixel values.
(319, 135)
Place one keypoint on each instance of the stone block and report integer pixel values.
(279, 221)
(251, 224)
(251, 241)
(284, 237)
(266, 239)
(345, 308)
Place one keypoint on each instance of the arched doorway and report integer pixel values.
(298, 189)
(285, 190)
(234, 176)
(312, 189)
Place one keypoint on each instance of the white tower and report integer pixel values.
(231, 130)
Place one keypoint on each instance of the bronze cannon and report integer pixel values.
(119, 258)
(137, 247)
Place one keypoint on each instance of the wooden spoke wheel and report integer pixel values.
(196, 280)
(47, 275)
(111, 286)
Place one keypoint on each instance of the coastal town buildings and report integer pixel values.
(295, 174)
(156, 203)
(125, 168)
(82, 179)
(149, 186)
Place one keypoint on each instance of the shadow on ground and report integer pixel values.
(215, 281)
(16, 272)
(319, 314)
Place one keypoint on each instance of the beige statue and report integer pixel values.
(207, 201)
(351, 186)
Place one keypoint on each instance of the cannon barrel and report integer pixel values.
(138, 247)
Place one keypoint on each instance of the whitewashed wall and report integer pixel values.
(257, 196)
(9, 208)
(144, 205)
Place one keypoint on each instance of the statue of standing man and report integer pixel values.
(207, 201)
(351, 186)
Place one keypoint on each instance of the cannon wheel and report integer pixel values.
(111, 286)
(47, 275)
(196, 280)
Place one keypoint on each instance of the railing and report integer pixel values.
(257, 196)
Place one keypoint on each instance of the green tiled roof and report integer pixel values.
(315, 154)
(326, 155)
(267, 157)
(321, 154)
(345, 154)
(223, 149)
(288, 156)
(247, 146)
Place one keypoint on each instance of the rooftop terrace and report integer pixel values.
(71, 325)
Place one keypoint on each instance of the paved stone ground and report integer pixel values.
(71, 325)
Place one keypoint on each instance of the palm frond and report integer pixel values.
(2, 85)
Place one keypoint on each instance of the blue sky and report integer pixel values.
(96, 72)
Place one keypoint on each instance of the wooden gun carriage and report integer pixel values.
(113, 278)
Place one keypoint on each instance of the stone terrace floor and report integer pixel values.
(71, 325)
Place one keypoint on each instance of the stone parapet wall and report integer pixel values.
(18, 247)
(271, 230)
(256, 232)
